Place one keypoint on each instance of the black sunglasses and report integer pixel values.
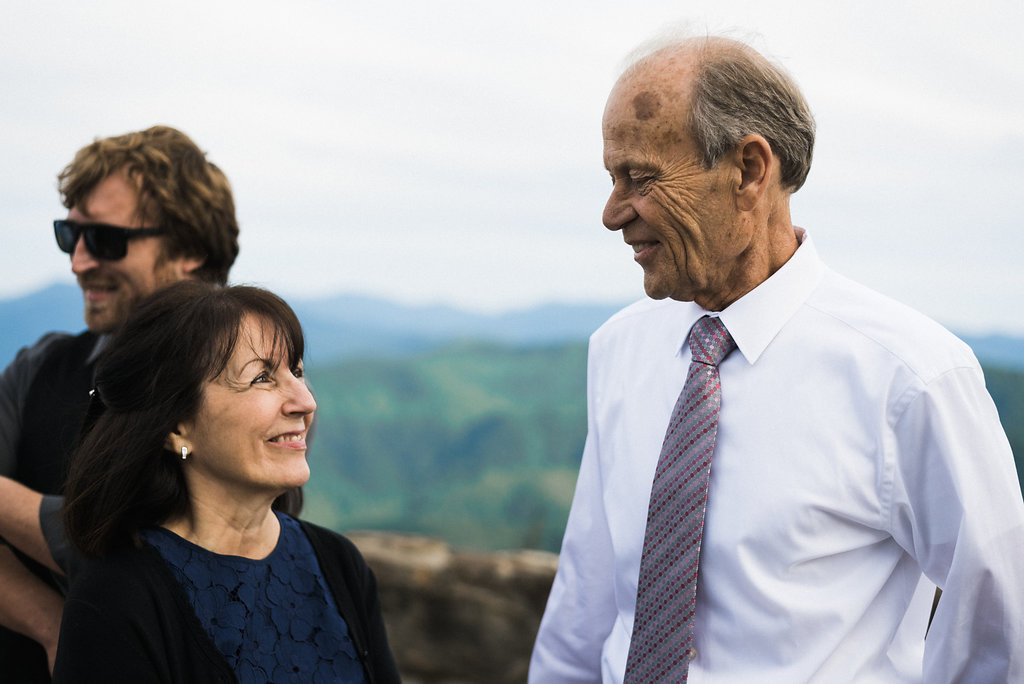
(103, 241)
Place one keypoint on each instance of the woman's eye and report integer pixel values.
(262, 377)
(298, 372)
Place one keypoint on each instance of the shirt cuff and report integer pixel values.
(53, 532)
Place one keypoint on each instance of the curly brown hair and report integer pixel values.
(179, 189)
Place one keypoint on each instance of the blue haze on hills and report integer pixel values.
(453, 424)
(340, 327)
(347, 326)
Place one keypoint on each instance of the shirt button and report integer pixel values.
(691, 653)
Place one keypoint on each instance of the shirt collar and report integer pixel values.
(101, 342)
(756, 318)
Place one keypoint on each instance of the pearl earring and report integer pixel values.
(184, 452)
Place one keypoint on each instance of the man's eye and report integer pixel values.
(642, 184)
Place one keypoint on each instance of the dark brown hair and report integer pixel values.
(149, 379)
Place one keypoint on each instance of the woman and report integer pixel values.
(199, 424)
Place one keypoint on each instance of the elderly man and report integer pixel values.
(145, 209)
(830, 456)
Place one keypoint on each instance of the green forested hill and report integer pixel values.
(477, 444)
(1007, 390)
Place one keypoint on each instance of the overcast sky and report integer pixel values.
(450, 152)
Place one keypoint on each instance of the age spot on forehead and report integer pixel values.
(646, 105)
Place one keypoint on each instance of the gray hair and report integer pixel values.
(738, 92)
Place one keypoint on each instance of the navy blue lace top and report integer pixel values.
(274, 619)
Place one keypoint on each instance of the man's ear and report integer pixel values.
(187, 265)
(756, 163)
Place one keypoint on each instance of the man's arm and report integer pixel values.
(15, 381)
(581, 607)
(27, 605)
(957, 508)
(19, 506)
(19, 522)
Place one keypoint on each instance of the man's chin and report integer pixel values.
(98, 327)
(658, 286)
(105, 312)
(101, 322)
(654, 288)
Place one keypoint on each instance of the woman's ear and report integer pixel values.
(177, 439)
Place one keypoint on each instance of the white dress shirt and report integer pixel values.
(859, 462)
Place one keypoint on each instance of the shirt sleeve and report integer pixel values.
(15, 382)
(64, 553)
(581, 608)
(957, 507)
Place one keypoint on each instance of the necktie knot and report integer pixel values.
(710, 341)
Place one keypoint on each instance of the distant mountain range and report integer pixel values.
(347, 326)
(463, 426)
(342, 326)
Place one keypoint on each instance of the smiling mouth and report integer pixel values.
(290, 437)
(641, 246)
(96, 287)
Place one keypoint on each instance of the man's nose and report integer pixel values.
(618, 211)
(82, 259)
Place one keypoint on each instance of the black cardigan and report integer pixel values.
(128, 620)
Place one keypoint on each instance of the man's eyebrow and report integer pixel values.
(626, 164)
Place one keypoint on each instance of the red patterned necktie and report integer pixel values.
(661, 647)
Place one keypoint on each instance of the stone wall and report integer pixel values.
(458, 617)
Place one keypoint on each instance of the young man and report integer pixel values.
(145, 209)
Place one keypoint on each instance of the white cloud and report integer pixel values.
(450, 151)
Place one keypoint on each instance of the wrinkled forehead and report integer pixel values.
(652, 91)
(642, 121)
(633, 104)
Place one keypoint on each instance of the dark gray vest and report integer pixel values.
(51, 419)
